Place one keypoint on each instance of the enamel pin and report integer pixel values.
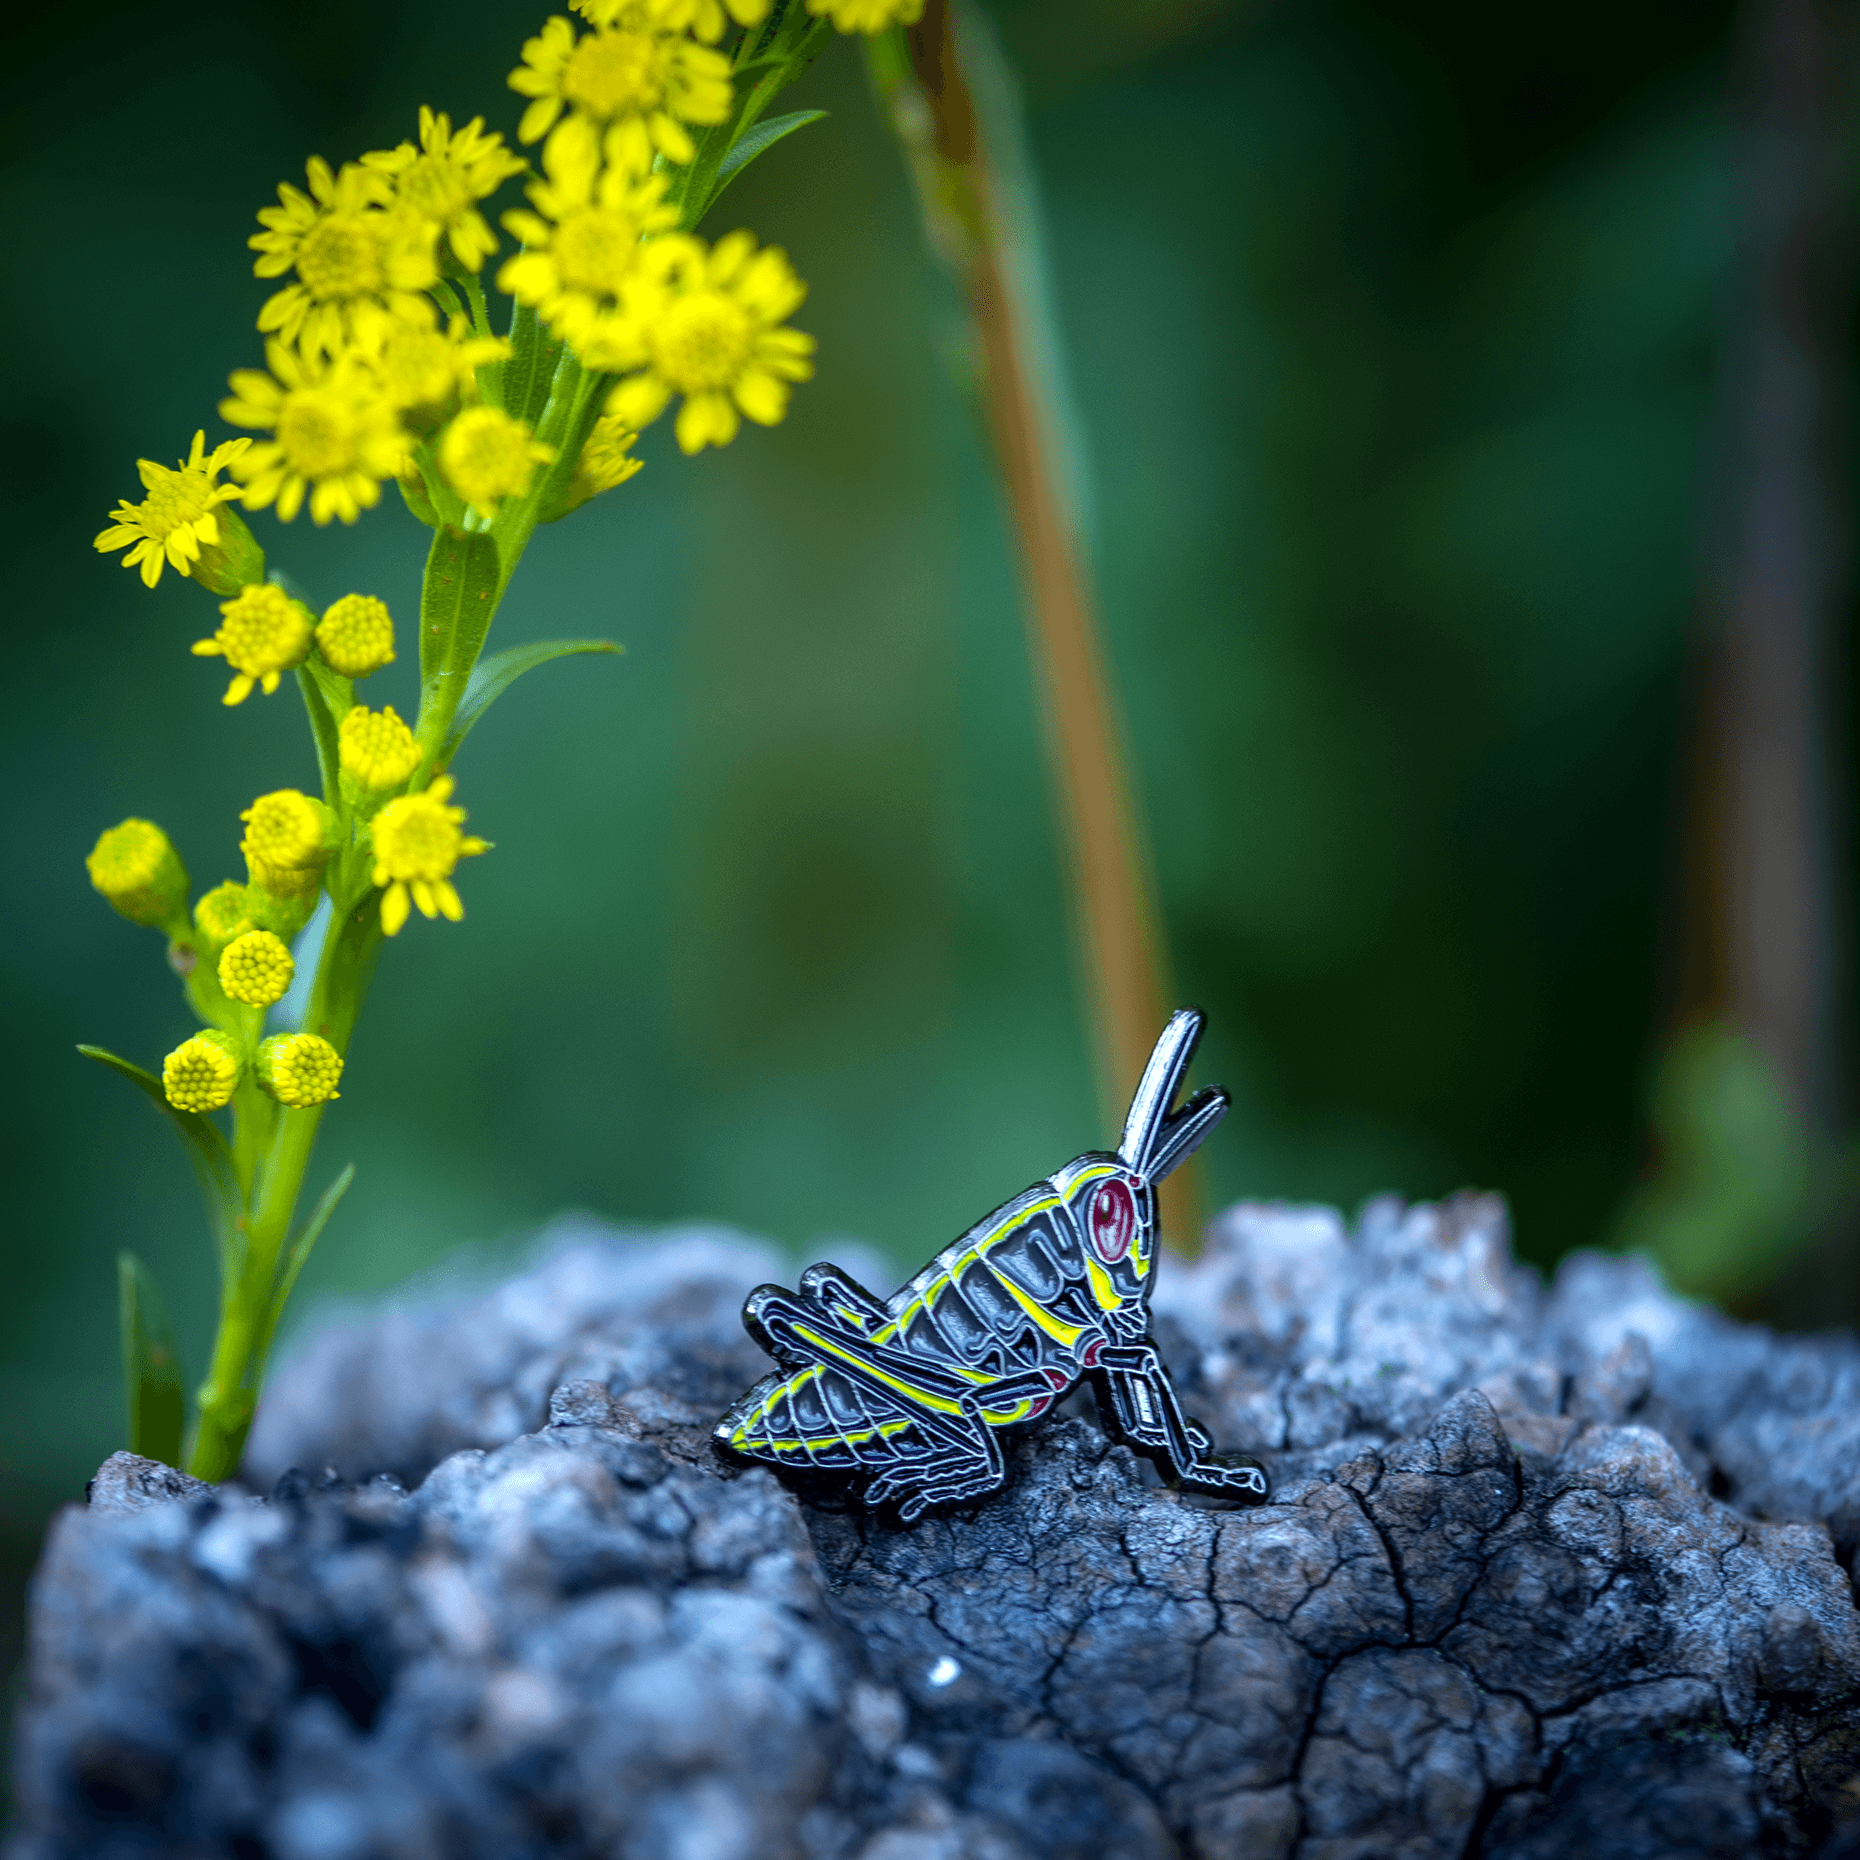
(909, 1394)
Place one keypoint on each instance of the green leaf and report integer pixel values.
(294, 1260)
(206, 1150)
(457, 602)
(758, 141)
(522, 384)
(495, 675)
(328, 698)
(151, 1366)
(725, 151)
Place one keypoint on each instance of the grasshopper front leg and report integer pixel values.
(1139, 1394)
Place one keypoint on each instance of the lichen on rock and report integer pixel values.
(1547, 1571)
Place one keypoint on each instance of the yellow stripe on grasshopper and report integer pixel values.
(922, 1397)
(1102, 1289)
(1006, 1417)
(1068, 1334)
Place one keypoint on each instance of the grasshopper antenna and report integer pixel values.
(1155, 1142)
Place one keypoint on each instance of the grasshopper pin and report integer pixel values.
(910, 1393)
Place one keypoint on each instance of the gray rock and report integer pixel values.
(128, 1482)
(1547, 1572)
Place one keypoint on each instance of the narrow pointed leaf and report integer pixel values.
(328, 698)
(495, 675)
(206, 1148)
(758, 141)
(522, 382)
(151, 1366)
(299, 1252)
(463, 582)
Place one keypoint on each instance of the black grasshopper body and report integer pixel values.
(910, 1393)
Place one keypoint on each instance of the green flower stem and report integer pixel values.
(229, 1394)
(469, 568)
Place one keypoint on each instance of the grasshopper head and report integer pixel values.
(1112, 1198)
(1113, 1212)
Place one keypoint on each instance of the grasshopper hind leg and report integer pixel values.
(946, 1479)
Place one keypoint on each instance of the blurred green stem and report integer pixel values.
(229, 1394)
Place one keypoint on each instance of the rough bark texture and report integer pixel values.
(1547, 1572)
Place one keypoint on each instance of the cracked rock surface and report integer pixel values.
(1548, 1571)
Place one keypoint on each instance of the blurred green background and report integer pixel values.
(1392, 329)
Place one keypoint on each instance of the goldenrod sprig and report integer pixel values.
(382, 363)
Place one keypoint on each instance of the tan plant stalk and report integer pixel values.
(920, 71)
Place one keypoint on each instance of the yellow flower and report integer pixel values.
(871, 16)
(582, 243)
(417, 845)
(180, 521)
(606, 460)
(422, 370)
(137, 869)
(263, 633)
(222, 914)
(704, 325)
(643, 80)
(356, 636)
(288, 837)
(299, 1069)
(360, 263)
(377, 749)
(446, 176)
(256, 968)
(334, 435)
(703, 18)
(486, 456)
(201, 1074)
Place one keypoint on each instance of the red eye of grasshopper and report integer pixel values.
(1113, 1222)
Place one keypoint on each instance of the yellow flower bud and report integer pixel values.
(487, 456)
(356, 636)
(202, 1073)
(288, 837)
(417, 844)
(378, 750)
(256, 968)
(605, 462)
(141, 874)
(263, 633)
(299, 1069)
(222, 914)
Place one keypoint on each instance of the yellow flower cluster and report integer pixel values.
(380, 364)
(299, 1069)
(139, 872)
(674, 317)
(180, 522)
(356, 635)
(262, 634)
(417, 845)
(377, 750)
(359, 365)
(202, 1073)
(256, 968)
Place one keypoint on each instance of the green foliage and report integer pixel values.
(206, 1150)
(492, 677)
(1733, 1198)
(758, 141)
(151, 1366)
